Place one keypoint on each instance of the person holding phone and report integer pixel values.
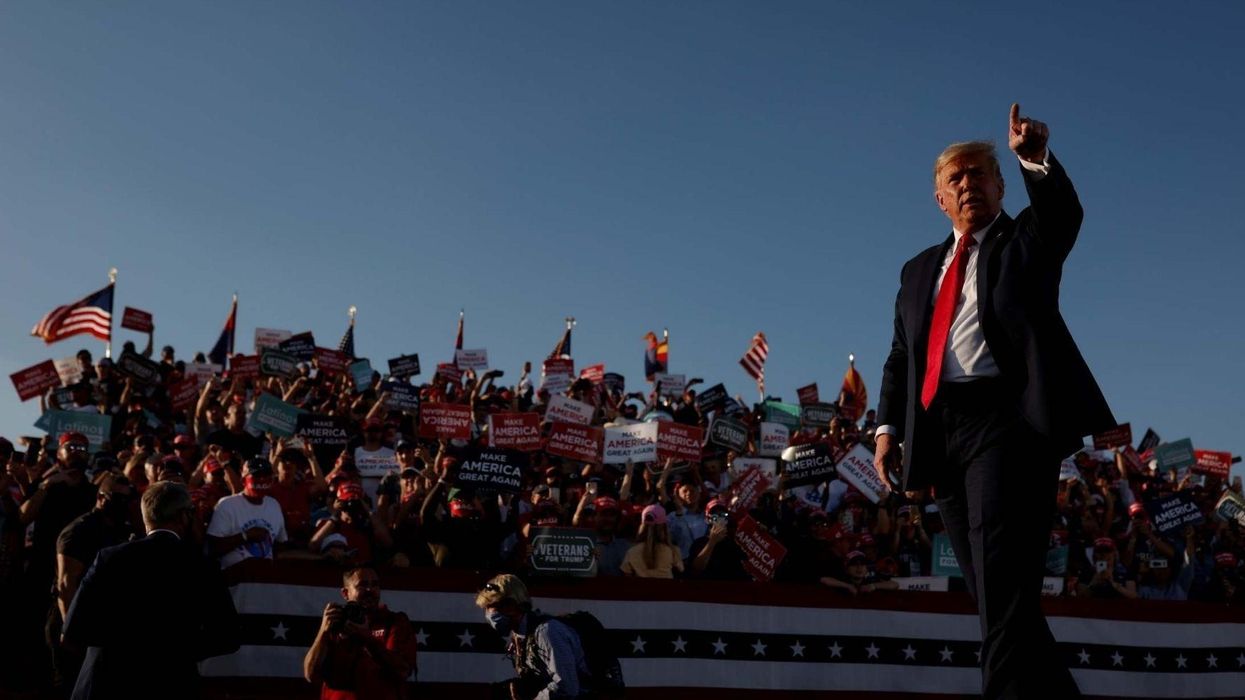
(716, 555)
(1109, 578)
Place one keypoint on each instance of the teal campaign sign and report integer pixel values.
(787, 414)
(272, 415)
(944, 561)
(1057, 560)
(361, 372)
(1175, 455)
(94, 426)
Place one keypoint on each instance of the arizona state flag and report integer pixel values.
(224, 344)
(853, 397)
(656, 355)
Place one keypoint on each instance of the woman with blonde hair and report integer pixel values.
(653, 556)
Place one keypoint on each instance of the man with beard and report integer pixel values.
(249, 524)
(151, 650)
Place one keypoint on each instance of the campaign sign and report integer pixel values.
(244, 366)
(68, 370)
(712, 399)
(323, 431)
(493, 468)
(678, 441)
(445, 421)
(62, 396)
(635, 443)
(35, 380)
(1231, 508)
(768, 466)
(201, 372)
(786, 413)
(943, 561)
(728, 433)
(184, 394)
(856, 468)
(136, 320)
(731, 407)
(331, 361)
(270, 338)
(564, 551)
(808, 394)
(1057, 560)
(556, 384)
(774, 439)
(938, 584)
(615, 382)
(562, 409)
(808, 464)
(818, 415)
(141, 369)
(402, 396)
(1175, 455)
(1216, 464)
(475, 359)
(301, 346)
(361, 372)
(450, 372)
(518, 431)
(404, 366)
(1116, 437)
(94, 426)
(272, 415)
(558, 365)
(748, 488)
(275, 363)
(764, 553)
(1149, 441)
(578, 442)
(1170, 514)
(593, 373)
(670, 384)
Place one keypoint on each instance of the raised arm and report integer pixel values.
(1053, 202)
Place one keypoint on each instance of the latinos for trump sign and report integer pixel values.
(729, 433)
(774, 439)
(272, 415)
(445, 421)
(562, 409)
(1171, 513)
(678, 441)
(404, 366)
(519, 431)
(1217, 464)
(1175, 455)
(136, 320)
(579, 442)
(944, 562)
(809, 464)
(856, 468)
(35, 380)
(762, 551)
(93, 425)
(361, 372)
(631, 443)
(564, 551)
(492, 468)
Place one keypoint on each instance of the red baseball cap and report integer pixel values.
(1104, 543)
(714, 504)
(461, 509)
(1136, 508)
(210, 465)
(605, 503)
(350, 491)
(1225, 560)
(73, 436)
(183, 439)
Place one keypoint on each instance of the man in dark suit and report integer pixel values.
(987, 391)
(149, 610)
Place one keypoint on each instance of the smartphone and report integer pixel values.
(1101, 566)
(592, 488)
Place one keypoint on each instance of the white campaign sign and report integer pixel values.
(202, 372)
(471, 359)
(670, 384)
(564, 410)
(924, 583)
(67, 368)
(768, 466)
(636, 442)
(857, 470)
(774, 439)
(270, 338)
(556, 383)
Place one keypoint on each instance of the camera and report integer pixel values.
(1101, 566)
(354, 613)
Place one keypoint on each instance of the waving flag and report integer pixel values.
(562, 350)
(91, 315)
(853, 397)
(224, 344)
(656, 355)
(347, 344)
(753, 361)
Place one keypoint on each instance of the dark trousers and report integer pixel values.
(996, 493)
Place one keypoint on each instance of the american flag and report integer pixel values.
(563, 349)
(753, 361)
(92, 315)
(347, 343)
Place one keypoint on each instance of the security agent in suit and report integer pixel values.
(987, 391)
(149, 610)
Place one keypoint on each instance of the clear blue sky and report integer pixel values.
(716, 168)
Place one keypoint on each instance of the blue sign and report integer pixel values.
(272, 415)
(944, 561)
(94, 426)
(361, 371)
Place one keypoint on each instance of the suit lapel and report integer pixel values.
(923, 292)
(1001, 224)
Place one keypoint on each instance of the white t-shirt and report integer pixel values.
(373, 466)
(235, 515)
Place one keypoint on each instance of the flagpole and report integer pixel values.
(353, 310)
(112, 280)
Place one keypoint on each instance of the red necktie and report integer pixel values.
(944, 311)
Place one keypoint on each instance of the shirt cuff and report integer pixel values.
(1037, 170)
(886, 430)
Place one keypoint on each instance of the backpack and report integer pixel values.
(599, 652)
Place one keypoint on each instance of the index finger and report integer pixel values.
(1015, 114)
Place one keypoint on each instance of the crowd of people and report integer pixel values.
(390, 498)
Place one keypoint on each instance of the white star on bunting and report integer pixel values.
(637, 645)
(1117, 659)
(279, 631)
(1180, 661)
(1083, 656)
(1150, 659)
(797, 649)
(680, 645)
(909, 654)
(836, 651)
(1212, 661)
(1240, 660)
(719, 647)
(978, 654)
(464, 639)
(758, 649)
(946, 654)
(421, 637)
(873, 650)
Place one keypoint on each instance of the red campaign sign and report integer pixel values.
(33, 381)
(244, 366)
(450, 371)
(558, 365)
(748, 489)
(445, 421)
(1133, 460)
(1118, 436)
(678, 441)
(764, 553)
(331, 361)
(808, 394)
(579, 442)
(136, 320)
(518, 431)
(184, 394)
(1212, 463)
(593, 373)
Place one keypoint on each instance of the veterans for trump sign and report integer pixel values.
(729, 433)
(445, 421)
(564, 551)
(518, 431)
(817, 415)
(35, 380)
(630, 443)
(494, 468)
(573, 441)
(276, 363)
(809, 464)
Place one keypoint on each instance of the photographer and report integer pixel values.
(363, 650)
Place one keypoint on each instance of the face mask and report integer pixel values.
(500, 623)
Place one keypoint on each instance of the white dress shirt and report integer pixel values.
(967, 356)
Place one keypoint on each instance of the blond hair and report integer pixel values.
(501, 588)
(968, 149)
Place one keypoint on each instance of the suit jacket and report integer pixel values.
(1019, 267)
(146, 613)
